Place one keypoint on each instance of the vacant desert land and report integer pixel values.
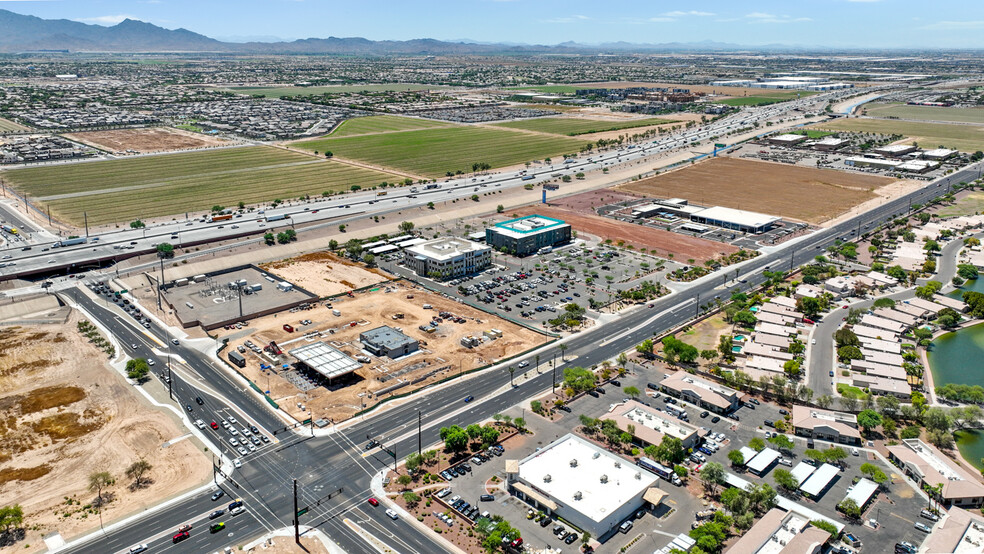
(706, 89)
(924, 113)
(67, 414)
(154, 139)
(801, 193)
(433, 152)
(657, 241)
(8, 125)
(441, 355)
(153, 186)
(384, 124)
(325, 274)
(763, 97)
(966, 138)
(573, 126)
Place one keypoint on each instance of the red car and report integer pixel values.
(215, 425)
(373, 502)
(180, 537)
(517, 543)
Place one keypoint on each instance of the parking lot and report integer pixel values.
(536, 288)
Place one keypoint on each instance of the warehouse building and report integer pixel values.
(527, 235)
(447, 258)
(786, 140)
(735, 220)
(939, 154)
(829, 144)
(930, 467)
(325, 360)
(894, 150)
(389, 342)
(582, 483)
(877, 163)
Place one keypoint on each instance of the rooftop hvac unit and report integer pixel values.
(574, 462)
(577, 495)
(783, 543)
(638, 475)
(618, 464)
(649, 416)
(604, 478)
(596, 455)
(547, 478)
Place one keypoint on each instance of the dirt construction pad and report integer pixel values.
(142, 141)
(798, 193)
(441, 354)
(657, 241)
(325, 274)
(67, 415)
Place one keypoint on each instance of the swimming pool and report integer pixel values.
(736, 349)
(739, 338)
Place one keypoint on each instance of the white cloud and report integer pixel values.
(760, 17)
(569, 19)
(661, 19)
(954, 25)
(105, 19)
(684, 14)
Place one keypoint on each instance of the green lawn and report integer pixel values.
(384, 124)
(574, 126)
(7, 125)
(552, 89)
(766, 97)
(432, 152)
(812, 133)
(153, 186)
(966, 138)
(277, 92)
(924, 113)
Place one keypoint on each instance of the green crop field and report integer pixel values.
(153, 186)
(812, 133)
(551, 89)
(433, 152)
(7, 125)
(924, 113)
(966, 138)
(765, 98)
(575, 126)
(384, 124)
(277, 92)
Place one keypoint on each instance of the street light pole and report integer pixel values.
(419, 446)
(297, 528)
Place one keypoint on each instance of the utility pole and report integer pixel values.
(553, 371)
(791, 260)
(297, 524)
(419, 446)
(85, 215)
(697, 308)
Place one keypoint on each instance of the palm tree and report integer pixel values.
(563, 349)
(537, 363)
(511, 371)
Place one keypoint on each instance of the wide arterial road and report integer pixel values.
(323, 465)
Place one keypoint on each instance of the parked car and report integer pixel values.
(923, 527)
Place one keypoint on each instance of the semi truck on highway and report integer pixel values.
(432, 186)
(529, 177)
(70, 242)
(214, 218)
(9, 229)
(276, 217)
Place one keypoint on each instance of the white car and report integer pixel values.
(138, 548)
(251, 447)
(233, 420)
(233, 432)
(242, 451)
(234, 442)
(237, 510)
(237, 463)
(392, 514)
(200, 424)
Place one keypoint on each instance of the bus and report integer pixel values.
(655, 467)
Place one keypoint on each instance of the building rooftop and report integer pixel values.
(934, 467)
(739, 217)
(961, 532)
(762, 460)
(811, 418)
(446, 248)
(650, 425)
(780, 532)
(802, 471)
(584, 476)
(386, 337)
(709, 392)
(861, 492)
(817, 482)
(523, 226)
(325, 359)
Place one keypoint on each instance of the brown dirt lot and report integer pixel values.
(586, 202)
(657, 241)
(153, 139)
(66, 415)
(794, 192)
(325, 274)
(368, 310)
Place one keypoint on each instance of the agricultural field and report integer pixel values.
(578, 126)
(801, 193)
(384, 124)
(433, 152)
(551, 89)
(277, 92)
(6, 125)
(924, 113)
(153, 186)
(764, 97)
(966, 138)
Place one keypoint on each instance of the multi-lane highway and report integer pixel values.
(47, 258)
(325, 464)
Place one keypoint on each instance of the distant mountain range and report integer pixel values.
(26, 33)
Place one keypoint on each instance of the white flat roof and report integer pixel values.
(383, 249)
(762, 460)
(747, 453)
(802, 471)
(819, 480)
(325, 359)
(862, 491)
(738, 217)
(572, 466)
(411, 242)
(446, 248)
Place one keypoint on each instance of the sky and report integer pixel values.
(947, 24)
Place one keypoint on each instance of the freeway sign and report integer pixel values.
(306, 421)
(719, 145)
(302, 511)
